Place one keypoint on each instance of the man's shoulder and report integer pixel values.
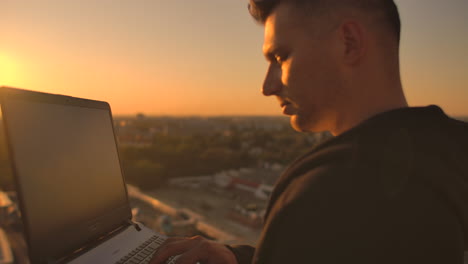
(409, 135)
(382, 151)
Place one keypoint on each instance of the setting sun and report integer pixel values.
(8, 70)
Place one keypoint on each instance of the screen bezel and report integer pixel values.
(89, 231)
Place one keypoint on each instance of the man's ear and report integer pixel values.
(354, 42)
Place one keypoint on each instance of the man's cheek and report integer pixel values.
(286, 75)
(285, 79)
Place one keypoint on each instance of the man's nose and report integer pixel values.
(272, 84)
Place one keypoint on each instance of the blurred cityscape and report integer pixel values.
(186, 176)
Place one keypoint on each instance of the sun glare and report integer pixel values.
(8, 70)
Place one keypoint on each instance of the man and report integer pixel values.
(390, 187)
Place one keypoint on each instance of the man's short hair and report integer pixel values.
(261, 9)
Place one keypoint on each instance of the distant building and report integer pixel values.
(135, 140)
(259, 181)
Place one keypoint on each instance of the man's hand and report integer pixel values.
(193, 250)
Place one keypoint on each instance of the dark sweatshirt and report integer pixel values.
(394, 189)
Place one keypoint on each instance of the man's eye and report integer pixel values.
(280, 58)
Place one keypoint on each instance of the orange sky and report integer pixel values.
(202, 57)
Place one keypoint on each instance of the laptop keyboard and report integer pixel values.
(143, 253)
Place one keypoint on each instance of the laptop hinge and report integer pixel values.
(137, 227)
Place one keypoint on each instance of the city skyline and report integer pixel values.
(199, 58)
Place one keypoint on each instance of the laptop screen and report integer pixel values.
(67, 168)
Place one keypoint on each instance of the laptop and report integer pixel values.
(72, 193)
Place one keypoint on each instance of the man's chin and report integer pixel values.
(298, 124)
(301, 124)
